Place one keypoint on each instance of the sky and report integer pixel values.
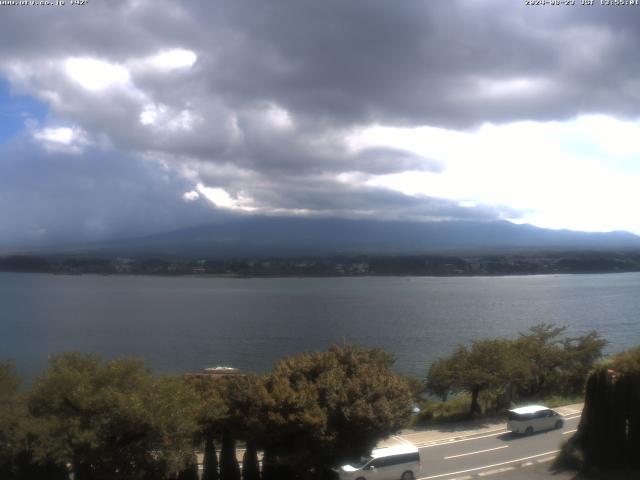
(124, 118)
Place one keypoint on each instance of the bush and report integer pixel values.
(453, 410)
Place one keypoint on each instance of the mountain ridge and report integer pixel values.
(295, 236)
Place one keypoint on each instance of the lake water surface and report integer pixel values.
(180, 324)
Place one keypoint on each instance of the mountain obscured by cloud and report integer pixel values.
(289, 237)
(166, 114)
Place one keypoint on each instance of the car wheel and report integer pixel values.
(408, 475)
(528, 431)
(559, 424)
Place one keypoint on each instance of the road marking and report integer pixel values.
(497, 470)
(543, 460)
(437, 443)
(479, 451)
(463, 434)
(488, 466)
(468, 437)
(570, 431)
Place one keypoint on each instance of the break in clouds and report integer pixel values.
(167, 114)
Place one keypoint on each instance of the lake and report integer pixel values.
(179, 324)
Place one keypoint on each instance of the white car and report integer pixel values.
(390, 463)
(533, 418)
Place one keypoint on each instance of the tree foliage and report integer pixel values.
(327, 407)
(250, 465)
(229, 468)
(114, 419)
(211, 414)
(609, 431)
(540, 361)
(12, 420)
(487, 365)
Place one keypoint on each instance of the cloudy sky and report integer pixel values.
(130, 117)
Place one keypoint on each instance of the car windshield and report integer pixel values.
(361, 463)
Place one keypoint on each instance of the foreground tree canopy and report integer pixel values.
(324, 408)
(609, 430)
(539, 362)
(115, 420)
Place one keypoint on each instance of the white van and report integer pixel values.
(390, 463)
(533, 418)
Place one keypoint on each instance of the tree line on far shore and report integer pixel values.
(103, 420)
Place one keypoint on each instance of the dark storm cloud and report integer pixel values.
(426, 62)
(333, 199)
(277, 88)
(50, 197)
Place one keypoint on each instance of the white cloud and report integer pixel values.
(511, 87)
(95, 75)
(191, 196)
(279, 117)
(61, 135)
(63, 139)
(221, 198)
(173, 59)
(149, 115)
(580, 174)
(162, 117)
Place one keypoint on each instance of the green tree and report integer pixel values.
(332, 406)
(229, 468)
(580, 354)
(9, 421)
(190, 472)
(558, 364)
(486, 366)
(212, 412)
(250, 465)
(12, 421)
(540, 361)
(244, 397)
(441, 379)
(541, 347)
(114, 419)
(19, 434)
(210, 460)
(609, 431)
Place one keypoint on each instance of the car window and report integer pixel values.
(394, 460)
(361, 463)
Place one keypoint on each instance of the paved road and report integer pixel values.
(487, 452)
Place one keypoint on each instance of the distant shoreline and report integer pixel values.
(356, 265)
(274, 276)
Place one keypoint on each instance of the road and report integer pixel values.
(488, 452)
